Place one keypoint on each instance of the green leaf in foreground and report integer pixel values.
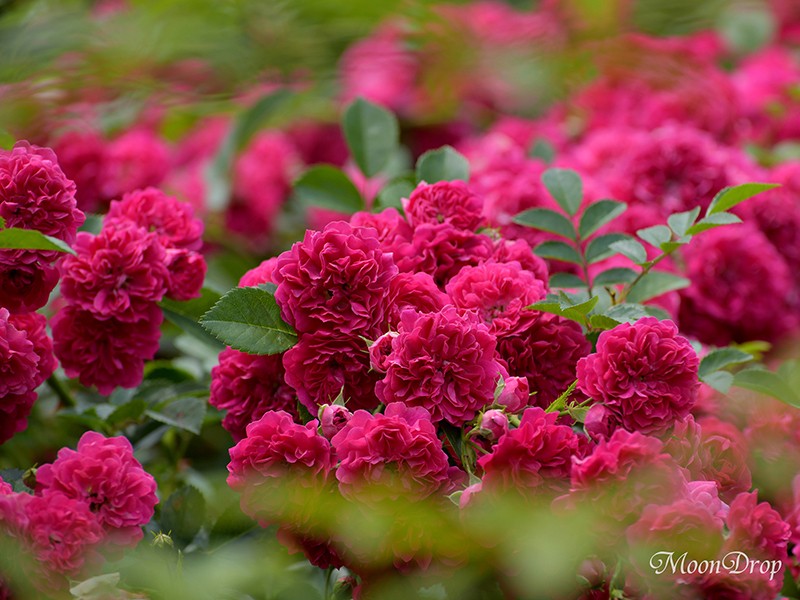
(328, 187)
(566, 187)
(729, 197)
(721, 358)
(600, 247)
(548, 220)
(372, 135)
(442, 164)
(15, 238)
(249, 319)
(558, 251)
(598, 214)
(769, 383)
(654, 284)
(631, 249)
(710, 222)
(187, 315)
(681, 222)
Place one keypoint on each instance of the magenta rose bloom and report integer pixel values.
(106, 353)
(740, 288)
(118, 273)
(80, 155)
(450, 202)
(62, 535)
(536, 457)
(499, 293)
(644, 374)
(135, 160)
(263, 273)
(417, 291)
(443, 250)
(277, 451)
(247, 386)
(546, 352)
(27, 281)
(521, 252)
(152, 209)
(104, 474)
(187, 272)
(332, 419)
(336, 279)
(390, 455)
(444, 362)
(322, 365)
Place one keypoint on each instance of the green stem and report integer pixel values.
(646, 268)
(60, 390)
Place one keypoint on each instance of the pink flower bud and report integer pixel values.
(380, 350)
(333, 418)
(515, 394)
(495, 422)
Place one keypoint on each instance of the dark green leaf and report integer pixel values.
(15, 238)
(655, 235)
(129, 412)
(328, 187)
(392, 194)
(186, 413)
(442, 164)
(680, 222)
(543, 150)
(767, 382)
(721, 358)
(558, 251)
(598, 214)
(545, 219)
(372, 135)
(218, 172)
(453, 435)
(186, 315)
(566, 187)
(716, 220)
(615, 275)
(249, 320)
(600, 247)
(602, 322)
(654, 284)
(566, 280)
(632, 249)
(183, 514)
(731, 196)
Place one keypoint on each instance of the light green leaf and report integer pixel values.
(186, 413)
(372, 135)
(328, 187)
(721, 358)
(614, 276)
(767, 382)
(716, 220)
(631, 249)
(655, 235)
(654, 284)
(632, 312)
(680, 222)
(558, 251)
(392, 194)
(15, 238)
(603, 322)
(729, 197)
(598, 214)
(249, 319)
(719, 380)
(543, 150)
(566, 280)
(548, 220)
(566, 187)
(600, 247)
(442, 164)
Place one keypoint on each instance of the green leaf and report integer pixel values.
(600, 247)
(654, 284)
(631, 312)
(187, 315)
(598, 214)
(442, 164)
(655, 235)
(721, 358)
(453, 435)
(566, 187)
(2, 223)
(767, 382)
(575, 312)
(218, 173)
(186, 413)
(7, 140)
(680, 222)
(603, 322)
(543, 150)
(372, 135)
(716, 220)
(719, 380)
(15, 238)
(183, 514)
(328, 187)
(392, 194)
(729, 197)
(632, 249)
(558, 251)
(566, 280)
(614, 276)
(545, 219)
(129, 412)
(249, 319)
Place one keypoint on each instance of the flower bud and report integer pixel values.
(332, 418)
(380, 350)
(514, 395)
(494, 424)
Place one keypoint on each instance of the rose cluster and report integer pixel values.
(148, 249)
(89, 502)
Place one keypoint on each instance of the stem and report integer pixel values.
(60, 390)
(646, 268)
